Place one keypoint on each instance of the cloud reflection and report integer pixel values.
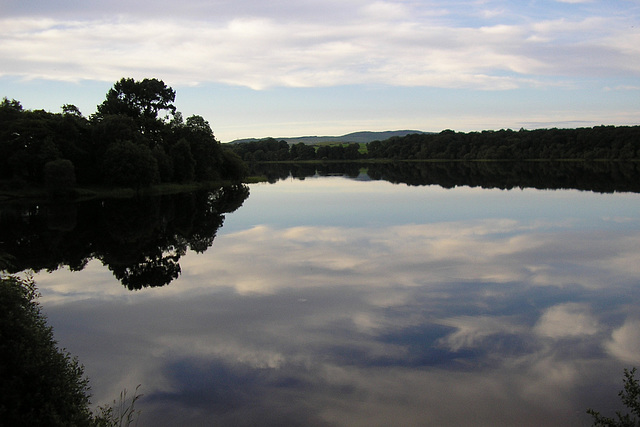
(416, 324)
(625, 342)
(422, 254)
(567, 320)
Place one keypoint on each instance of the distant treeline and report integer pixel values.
(272, 150)
(597, 143)
(135, 139)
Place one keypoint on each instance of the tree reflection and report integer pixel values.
(140, 240)
(602, 177)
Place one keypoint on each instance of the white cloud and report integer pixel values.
(384, 42)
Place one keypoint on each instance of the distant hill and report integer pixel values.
(355, 137)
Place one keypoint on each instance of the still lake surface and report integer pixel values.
(346, 301)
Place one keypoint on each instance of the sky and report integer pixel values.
(309, 67)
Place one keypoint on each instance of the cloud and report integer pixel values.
(313, 45)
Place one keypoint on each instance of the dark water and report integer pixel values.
(346, 300)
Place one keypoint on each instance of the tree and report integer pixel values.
(630, 396)
(71, 110)
(352, 151)
(233, 167)
(138, 99)
(39, 383)
(206, 151)
(183, 163)
(142, 101)
(59, 176)
(130, 165)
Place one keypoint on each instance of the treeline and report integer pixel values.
(597, 143)
(135, 139)
(600, 142)
(271, 150)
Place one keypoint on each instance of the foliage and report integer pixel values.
(138, 99)
(600, 142)
(141, 240)
(130, 165)
(120, 413)
(59, 176)
(183, 161)
(206, 152)
(40, 384)
(272, 150)
(233, 167)
(630, 397)
(602, 177)
(136, 125)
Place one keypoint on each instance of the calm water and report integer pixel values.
(349, 302)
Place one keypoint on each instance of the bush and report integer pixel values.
(40, 385)
(630, 397)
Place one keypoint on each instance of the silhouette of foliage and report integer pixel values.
(600, 142)
(40, 385)
(127, 142)
(603, 177)
(630, 397)
(140, 240)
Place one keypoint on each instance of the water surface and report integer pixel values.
(341, 301)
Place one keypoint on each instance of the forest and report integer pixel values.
(619, 143)
(135, 139)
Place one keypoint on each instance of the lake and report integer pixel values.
(357, 299)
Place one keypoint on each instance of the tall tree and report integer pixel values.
(138, 99)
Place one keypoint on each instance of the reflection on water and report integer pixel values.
(603, 177)
(139, 240)
(333, 301)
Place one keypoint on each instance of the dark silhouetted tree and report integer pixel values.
(630, 396)
(40, 385)
(59, 177)
(138, 99)
(130, 165)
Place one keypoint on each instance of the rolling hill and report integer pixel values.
(355, 137)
